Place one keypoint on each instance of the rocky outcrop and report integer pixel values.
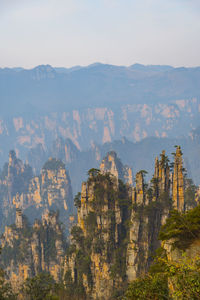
(117, 226)
(64, 150)
(178, 181)
(99, 236)
(19, 218)
(55, 185)
(120, 225)
(50, 190)
(18, 176)
(161, 178)
(112, 164)
(150, 209)
(27, 251)
(136, 259)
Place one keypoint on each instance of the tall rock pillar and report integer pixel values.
(161, 204)
(19, 218)
(136, 259)
(161, 178)
(178, 181)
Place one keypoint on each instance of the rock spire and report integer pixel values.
(178, 181)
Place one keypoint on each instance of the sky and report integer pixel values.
(65, 33)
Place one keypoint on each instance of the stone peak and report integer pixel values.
(111, 163)
(19, 218)
(178, 151)
(53, 164)
(50, 217)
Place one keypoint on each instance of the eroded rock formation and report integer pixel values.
(118, 225)
(178, 181)
(101, 222)
(28, 250)
(111, 163)
(50, 190)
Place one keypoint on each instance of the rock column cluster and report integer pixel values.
(147, 209)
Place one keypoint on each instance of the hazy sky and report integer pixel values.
(80, 32)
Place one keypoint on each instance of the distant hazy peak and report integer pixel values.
(157, 68)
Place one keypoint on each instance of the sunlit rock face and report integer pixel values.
(33, 194)
(29, 250)
(111, 163)
(178, 181)
(118, 225)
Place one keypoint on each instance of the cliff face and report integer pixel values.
(118, 225)
(96, 123)
(99, 236)
(178, 181)
(51, 190)
(27, 251)
(111, 163)
(56, 190)
(137, 250)
(17, 177)
(64, 150)
(151, 207)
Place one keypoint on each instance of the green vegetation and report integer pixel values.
(6, 292)
(99, 245)
(40, 287)
(143, 172)
(77, 200)
(190, 193)
(91, 222)
(82, 249)
(101, 231)
(20, 249)
(182, 228)
(72, 290)
(169, 280)
(103, 235)
(172, 279)
(148, 287)
(164, 160)
(93, 172)
(77, 235)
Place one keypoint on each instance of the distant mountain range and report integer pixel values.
(47, 89)
(97, 105)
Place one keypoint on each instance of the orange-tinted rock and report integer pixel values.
(178, 181)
